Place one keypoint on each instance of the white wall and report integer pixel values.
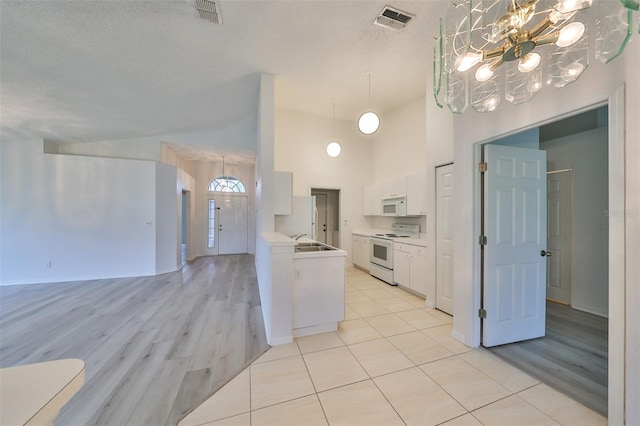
(167, 207)
(300, 147)
(400, 143)
(90, 217)
(586, 154)
(400, 149)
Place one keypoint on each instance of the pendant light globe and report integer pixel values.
(368, 123)
(334, 149)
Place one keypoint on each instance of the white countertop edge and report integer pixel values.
(278, 239)
(328, 253)
(369, 232)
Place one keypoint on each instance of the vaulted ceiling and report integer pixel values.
(85, 70)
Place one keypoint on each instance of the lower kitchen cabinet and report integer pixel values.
(418, 270)
(360, 252)
(410, 267)
(401, 264)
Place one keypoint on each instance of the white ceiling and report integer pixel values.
(84, 70)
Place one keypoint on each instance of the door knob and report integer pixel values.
(545, 253)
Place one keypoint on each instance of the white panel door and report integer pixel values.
(444, 239)
(559, 223)
(515, 224)
(232, 224)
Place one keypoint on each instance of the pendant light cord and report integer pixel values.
(334, 120)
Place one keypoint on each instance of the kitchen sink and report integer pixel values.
(311, 247)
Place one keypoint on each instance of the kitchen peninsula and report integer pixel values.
(305, 293)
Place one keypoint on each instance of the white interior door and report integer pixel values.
(322, 233)
(559, 223)
(515, 226)
(232, 224)
(444, 239)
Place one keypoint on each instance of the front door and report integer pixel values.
(232, 224)
(559, 204)
(515, 251)
(322, 218)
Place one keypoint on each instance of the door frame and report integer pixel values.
(617, 284)
(339, 243)
(216, 195)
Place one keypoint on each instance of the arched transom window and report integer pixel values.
(226, 184)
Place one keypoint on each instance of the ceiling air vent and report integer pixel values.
(208, 11)
(393, 18)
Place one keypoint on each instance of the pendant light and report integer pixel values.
(334, 149)
(369, 122)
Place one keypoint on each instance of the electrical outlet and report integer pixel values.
(297, 274)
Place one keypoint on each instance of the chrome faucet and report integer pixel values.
(297, 237)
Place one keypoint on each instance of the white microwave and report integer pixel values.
(394, 207)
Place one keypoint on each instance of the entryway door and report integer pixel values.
(444, 239)
(227, 224)
(515, 250)
(559, 236)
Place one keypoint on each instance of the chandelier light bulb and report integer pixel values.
(529, 63)
(334, 149)
(567, 6)
(467, 61)
(368, 123)
(570, 34)
(484, 73)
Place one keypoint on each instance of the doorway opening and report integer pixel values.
(572, 356)
(226, 216)
(328, 217)
(185, 227)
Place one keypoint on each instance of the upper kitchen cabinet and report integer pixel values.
(395, 187)
(417, 194)
(372, 200)
(283, 194)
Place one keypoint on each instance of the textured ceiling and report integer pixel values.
(84, 70)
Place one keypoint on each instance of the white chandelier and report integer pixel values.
(488, 49)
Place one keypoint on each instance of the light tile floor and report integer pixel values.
(392, 361)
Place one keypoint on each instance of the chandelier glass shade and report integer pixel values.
(493, 49)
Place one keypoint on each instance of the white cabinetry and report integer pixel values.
(393, 188)
(283, 193)
(360, 252)
(410, 267)
(418, 270)
(372, 200)
(401, 264)
(417, 194)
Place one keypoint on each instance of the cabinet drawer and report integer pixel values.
(418, 250)
(402, 247)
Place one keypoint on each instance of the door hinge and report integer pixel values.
(482, 167)
(482, 313)
(482, 240)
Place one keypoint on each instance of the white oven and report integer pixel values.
(381, 257)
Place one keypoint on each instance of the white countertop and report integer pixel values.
(363, 232)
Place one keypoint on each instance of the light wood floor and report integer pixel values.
(572, 357)
(155, 347)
